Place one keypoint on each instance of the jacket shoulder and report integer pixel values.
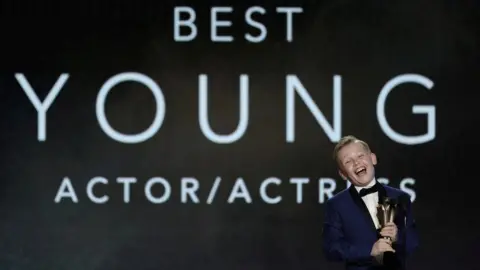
(395, 192)
(340, 196)
(392, 189)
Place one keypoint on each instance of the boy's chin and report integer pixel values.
(364, 179)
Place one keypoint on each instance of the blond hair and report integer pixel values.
(346, 140)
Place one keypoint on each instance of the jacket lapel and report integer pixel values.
(382, 193)
(362, 207)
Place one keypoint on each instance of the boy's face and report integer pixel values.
(356, 164)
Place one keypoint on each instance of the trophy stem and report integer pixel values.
(385, 217)
(392, 216)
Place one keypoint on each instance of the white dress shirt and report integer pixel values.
(371, 201)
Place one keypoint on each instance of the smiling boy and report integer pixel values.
(351, 231)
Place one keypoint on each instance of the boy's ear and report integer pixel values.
(374, 158)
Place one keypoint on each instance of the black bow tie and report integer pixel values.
(366, 191)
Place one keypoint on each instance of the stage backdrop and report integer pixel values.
(179, 136)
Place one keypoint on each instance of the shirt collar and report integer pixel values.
(371, 184)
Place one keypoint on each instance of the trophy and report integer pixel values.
(386, 211)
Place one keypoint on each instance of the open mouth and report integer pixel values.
(361, 171)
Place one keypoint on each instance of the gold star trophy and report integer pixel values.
(386, 212)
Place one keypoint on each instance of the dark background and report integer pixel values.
(367, 42)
